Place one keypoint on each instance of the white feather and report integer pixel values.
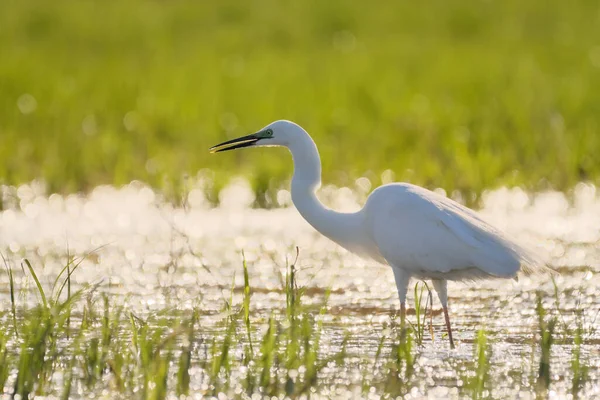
(432, 236)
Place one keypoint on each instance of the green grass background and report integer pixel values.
(456, 94)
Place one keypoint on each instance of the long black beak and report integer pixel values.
(238, 143)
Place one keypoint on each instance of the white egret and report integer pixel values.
(417, 232)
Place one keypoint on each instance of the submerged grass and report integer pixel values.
(93, 343)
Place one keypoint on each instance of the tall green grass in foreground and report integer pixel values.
(478, 382)
(461, 95)
(546, 337)
(83, 341)
(111, 347)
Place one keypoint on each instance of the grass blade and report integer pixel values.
(11, 282)
(247, 303)
(37, 283)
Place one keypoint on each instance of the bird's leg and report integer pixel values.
(447, 317)
(402, 313)
(441, 287)
(402, 279)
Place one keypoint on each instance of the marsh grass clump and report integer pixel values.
(578, 367)
(478, 379)
(45, 342)
(400, 366)
(289, 360)
(421, 311)
(41, 330)
(547, 327)
(583, 328)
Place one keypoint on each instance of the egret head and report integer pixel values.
(278, 133)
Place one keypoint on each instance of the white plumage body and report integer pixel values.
(430, 236)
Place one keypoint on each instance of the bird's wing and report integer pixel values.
(423, 232)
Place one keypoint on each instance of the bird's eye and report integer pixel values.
(269, 132)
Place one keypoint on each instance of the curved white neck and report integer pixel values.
(342, 228)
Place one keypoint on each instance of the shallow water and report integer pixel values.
(158, 255)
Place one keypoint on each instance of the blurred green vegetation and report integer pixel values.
(461, 95)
